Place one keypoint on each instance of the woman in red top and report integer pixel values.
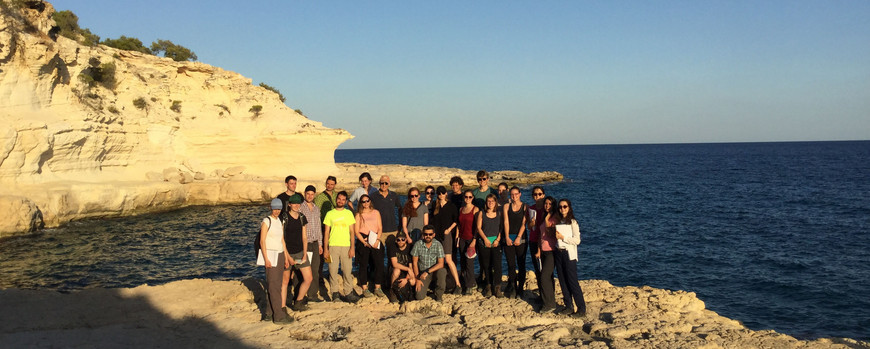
(466, 239)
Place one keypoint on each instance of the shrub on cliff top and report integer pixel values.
(102, 73)
(176, 106)
(178, 53)
(125, 43)
(270, 88)
(140, 103)
(68, 26)
(256, 109)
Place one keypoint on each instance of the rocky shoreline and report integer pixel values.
(27, 208)
(208, 313)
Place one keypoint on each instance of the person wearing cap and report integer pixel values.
(402, 278)
(314, 232)
(428, 262)
(296, 242)
(339, 236)
(273, 250)
(445, 217)
(366, 188)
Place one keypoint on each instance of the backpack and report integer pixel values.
(257, 239)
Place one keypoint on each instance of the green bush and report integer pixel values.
(270, 88)
(140, 103)
(176, 106)
(113, 109)
(68, 26)
(103, 74)
(256, 109)
(299, 111)
(178, 53)
(125, 43)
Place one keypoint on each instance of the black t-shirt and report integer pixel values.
(447, 215)
(285, 207)
(293, 233)
(402, 256)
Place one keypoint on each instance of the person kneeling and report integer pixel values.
(428, 263)
(402, 278)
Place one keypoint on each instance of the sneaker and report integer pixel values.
(487, 292)
(336, 297)
(468, 291)
(564, 311)
(367, 294)
(579, 314)
(299, 306)
(546, 309)
(498, 293)
(286, 320)
(437, 297)
(351, 298)
(315, 299)
(457, 290)
(379, 293)
(393, 297)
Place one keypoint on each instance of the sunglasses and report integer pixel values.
(429, 234)
(401, 239)
(538, 194)
(415, 195)
(430, 192)
(481, 179)
(366, 201)
(564, 206)
(384, 183)
(469, 197)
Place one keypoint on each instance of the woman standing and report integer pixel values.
(415, 216)
(296, 243)
(273, 251)
(566, 259)
(429, 198)
(466, 239)
(514, 215)
(445, 217)
(545, 253)
(489, 224)
(368, 247)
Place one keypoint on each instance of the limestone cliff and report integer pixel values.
(64, 137)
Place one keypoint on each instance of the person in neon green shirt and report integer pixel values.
(338, 234)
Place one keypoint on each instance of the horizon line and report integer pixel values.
(607, 144)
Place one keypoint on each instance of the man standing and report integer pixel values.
(339, 234)
(484, 190)
(387, 203)
(315, 240)
(455, 195)
(326, 200)
(428, 262)
(290, 182)
(365, 182)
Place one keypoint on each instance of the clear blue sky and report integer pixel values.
(472, 73)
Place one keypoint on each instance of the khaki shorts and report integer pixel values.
(385, 234)
(298, 257)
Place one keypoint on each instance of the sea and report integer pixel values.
(775, 235)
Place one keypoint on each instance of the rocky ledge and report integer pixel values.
(207, 313)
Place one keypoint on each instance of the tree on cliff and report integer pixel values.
(178, 53)
(125, 43)
(68, 24)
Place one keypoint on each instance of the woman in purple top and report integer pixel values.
(545, 253)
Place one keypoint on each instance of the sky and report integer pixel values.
(400, 74)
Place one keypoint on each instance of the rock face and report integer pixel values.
(64, 138)
(206, 313)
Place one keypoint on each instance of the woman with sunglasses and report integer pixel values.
(567, 233)
(415, 216)
(536, 217)
(545, 254)
(514, 214)
(444, 218)
(489, 230)
(429, 199)
(466, 239)
(368, 248)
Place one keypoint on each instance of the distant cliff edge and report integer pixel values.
(91, 131)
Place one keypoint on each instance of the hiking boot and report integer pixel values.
(351, 298)
(564, 311)
(487, 292)
(336, 297)
(393, 298)
(437, 297)
(286, 320)
(367, 294)
(579, 313)
(379, 293)
(457, 290)
(546, 309)
(299, 306)
(468, 291)
(498, 293)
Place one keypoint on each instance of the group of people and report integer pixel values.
(423, 241)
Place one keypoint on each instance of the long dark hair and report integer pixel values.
(360, 208)
(569, 216)
(553, 204)
(408, 210)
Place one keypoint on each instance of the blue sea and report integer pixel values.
(776, 235)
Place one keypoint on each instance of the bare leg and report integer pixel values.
(452, 267)
(285, 281)
(306, 282)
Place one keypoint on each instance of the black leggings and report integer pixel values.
(490, 264)
(467, 264)
(516, 257)
(366, 256)
(547, 285)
